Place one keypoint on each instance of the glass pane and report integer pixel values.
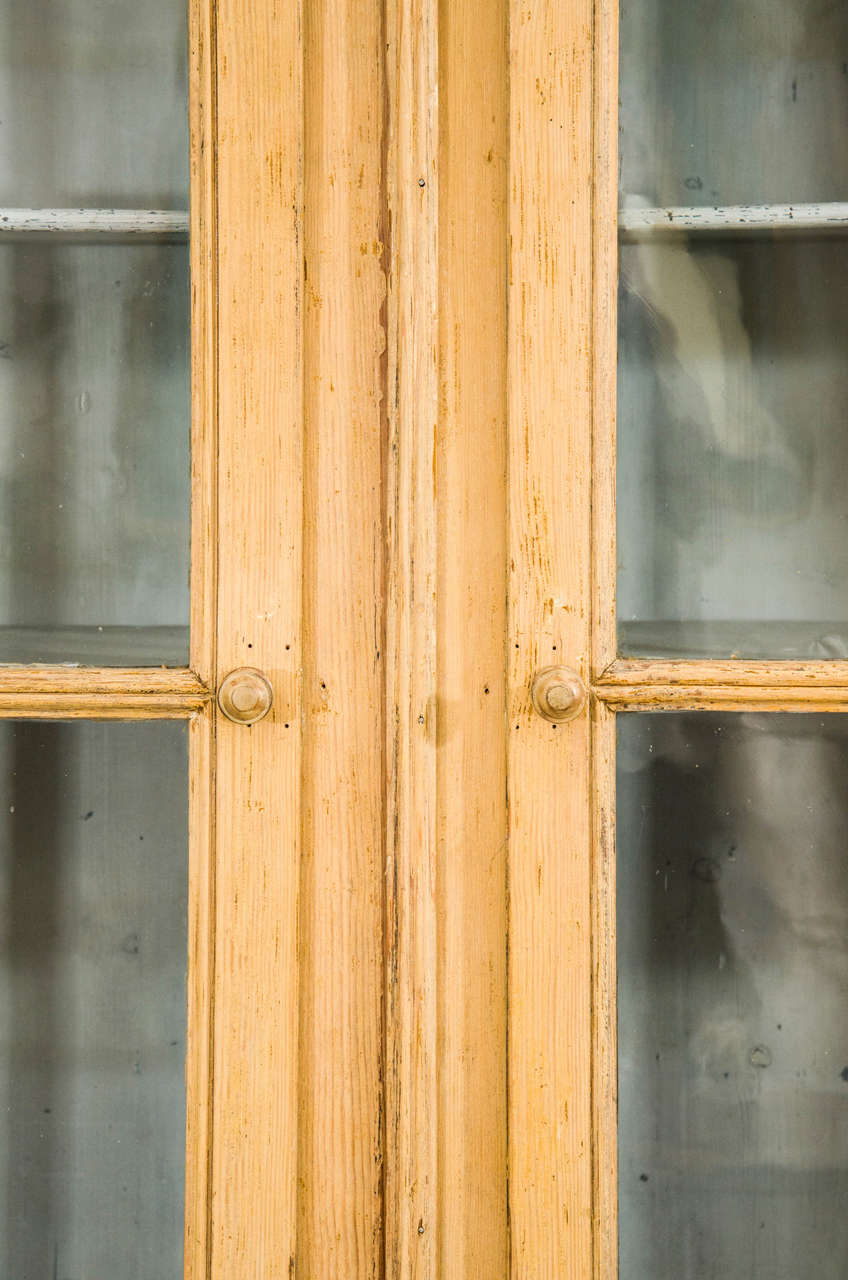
(94, 352)
(725, 103)
(93, 945)
(733, 453)
(732, 981)
(94, 458)
(93, 104)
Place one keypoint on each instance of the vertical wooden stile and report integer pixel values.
(411, 626)
(201, 974)
(341, 901)
(203, 634)
(550, 406)
(260, 516)
(604, 1064)
(604, 333)
(203, 124)
(604, 641)
(471, 623)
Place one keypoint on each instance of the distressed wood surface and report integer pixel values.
(259, 522)
(411, 1174)
(200, 986)
(604, 1061)
(470, 479)
(339, 1225)
(108, 693)
(203, 106)
(550, 407)
(745, 674)
(730, 697)
(175, 683)
(604, 333)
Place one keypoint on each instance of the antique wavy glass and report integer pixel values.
(733, 382)
(732, 977)
(94, 381)
(93, 945)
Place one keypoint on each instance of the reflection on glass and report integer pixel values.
(732, 984)
(94, 458)
(94, 372)
(733, 450)
(725, 103)
(93, 944)
(733, 447)
(93, 104)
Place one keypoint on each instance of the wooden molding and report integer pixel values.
(411, 1159)
(100, 693)
(635, 684)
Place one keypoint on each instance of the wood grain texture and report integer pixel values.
(604, 333)
(550, 411)
(604, 1010)
(259, 520)
(204, 335)
(730, 697)
(175, 683)
(201, 978)
(745, 674)
(341, 904)
(471, 621)
(105, 693)
(411, 1177)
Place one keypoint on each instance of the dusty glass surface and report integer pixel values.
(733, 447)
(93, 101)
(94, 352)
(732, 924)
(733, 453)
(94, 456)
(725, 103)
(93, 947)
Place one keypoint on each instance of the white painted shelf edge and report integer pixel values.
(637, 222)
(120, 222)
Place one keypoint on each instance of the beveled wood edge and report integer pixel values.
(604, 332)
(100, 693)
(604, 1026)
(636, 684)
(688, 671)
(411, 1037)
(203, 251)
(200, 985)
(720, 698)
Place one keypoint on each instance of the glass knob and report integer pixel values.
(558, 694)
(245, 695)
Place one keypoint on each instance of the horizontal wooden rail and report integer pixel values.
(134, 223)
(100, 693)
(635, 223)
(725, 671)
(635, 684)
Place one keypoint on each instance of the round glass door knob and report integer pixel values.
(558, 694)
(245, 695)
